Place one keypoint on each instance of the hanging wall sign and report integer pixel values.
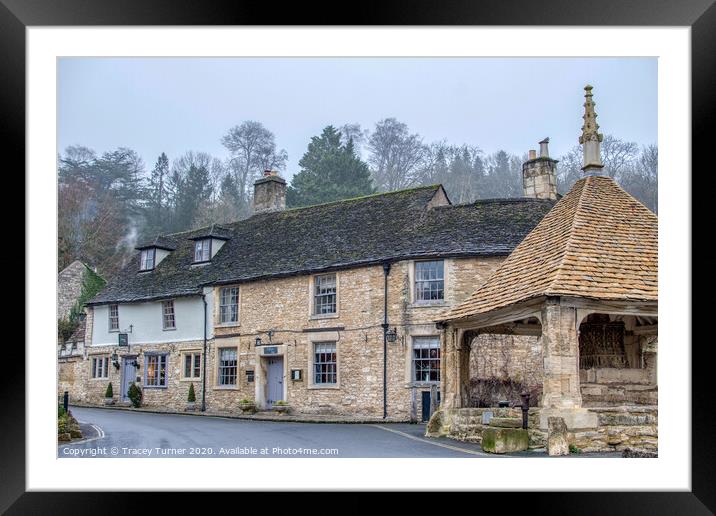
(124, 339)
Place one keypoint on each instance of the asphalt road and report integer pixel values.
(119, 433)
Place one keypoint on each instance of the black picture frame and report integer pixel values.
(700, 15)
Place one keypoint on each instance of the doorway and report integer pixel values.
(129, 373)
(274, 380)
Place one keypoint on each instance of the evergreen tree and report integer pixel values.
(330, 171)
(158, 197)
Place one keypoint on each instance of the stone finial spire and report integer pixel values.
(590, 138)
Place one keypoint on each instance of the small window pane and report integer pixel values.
(156, 370)
(426, 359)
(228, 366)
(168, 315)
(202, 248)
(324, 294)
(325, 367)
(229, 305)
(429, 281)
(113, 317)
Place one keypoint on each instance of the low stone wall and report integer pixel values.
(468, 424)
(618, 428)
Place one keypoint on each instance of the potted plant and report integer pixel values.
(135, 395)
(281, 406)
(191, 399)
(247, 406)
(109, 395)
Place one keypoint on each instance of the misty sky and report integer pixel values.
(174, 105)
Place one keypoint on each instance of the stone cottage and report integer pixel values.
(330, 308)
(583, 284)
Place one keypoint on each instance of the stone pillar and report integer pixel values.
(560, 342)
(269, 193)
(454, 368)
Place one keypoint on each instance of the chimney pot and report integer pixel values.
(543, 148)
(532, 154)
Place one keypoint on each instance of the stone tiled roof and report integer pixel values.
(597, 242)
(161, 241)
(355, 232)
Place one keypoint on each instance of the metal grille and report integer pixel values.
(429, 281)
(325, 294)
(602, 345)
(227, 366)
(426, 359)
(229, 305)
(324, 363)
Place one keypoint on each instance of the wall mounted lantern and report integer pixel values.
(391, 335)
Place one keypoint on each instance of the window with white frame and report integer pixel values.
(192, 365)
(168, 321)
(202, 250)
(113, 317)
(324, 294)
(147, 259)
(228, 366)
(100, 367)
(325, 365)
(430, 280)
(155, 367)
(426, 359)
(229, 305)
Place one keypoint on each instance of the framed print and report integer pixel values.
(398, 247)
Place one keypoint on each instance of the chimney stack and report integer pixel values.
(539, 174)
(269, 193)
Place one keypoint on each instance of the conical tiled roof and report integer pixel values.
(597, 242)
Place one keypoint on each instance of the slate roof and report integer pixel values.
(598, 242)
(355, 232)
(162, 242)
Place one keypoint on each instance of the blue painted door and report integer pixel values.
(129, 373)
(275, 380)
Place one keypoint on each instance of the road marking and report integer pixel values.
(100, 435)
(441, 445)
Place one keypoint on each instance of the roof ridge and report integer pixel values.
(567, 248)
(359, 198)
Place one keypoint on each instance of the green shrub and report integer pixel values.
(191, 398)
(61, 411)
(281, 403)
(63, 423)
(135, 395)
(109, 393)
(573, 449)
(245, 401)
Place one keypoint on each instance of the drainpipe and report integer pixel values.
(203, 362)
(386, 271)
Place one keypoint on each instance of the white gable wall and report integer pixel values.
(146, 321)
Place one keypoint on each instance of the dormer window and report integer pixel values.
(147, 259)
(202, 250)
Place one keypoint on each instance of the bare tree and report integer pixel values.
(356, 133)
(395, 155)
(618, 156)
(253, 149)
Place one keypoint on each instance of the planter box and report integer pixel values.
(280, 409)
(190, 406)
(109, 401)
(247, 408)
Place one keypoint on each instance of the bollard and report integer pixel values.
(525, 408)
(66, 400)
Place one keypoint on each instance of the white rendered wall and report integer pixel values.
(146, 321)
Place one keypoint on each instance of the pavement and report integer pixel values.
(121, 433)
